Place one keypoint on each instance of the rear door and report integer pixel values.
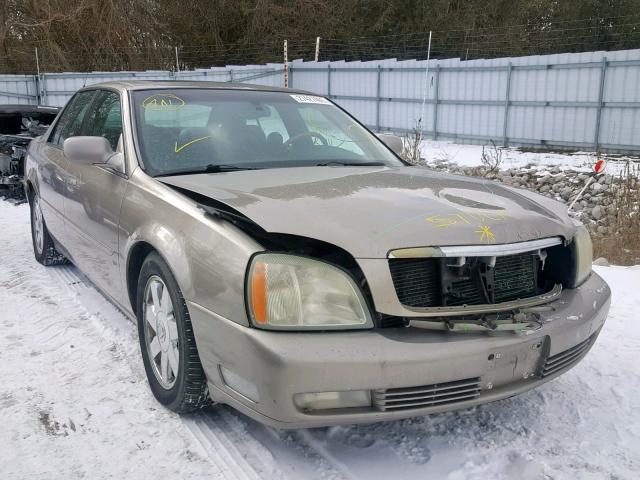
(94, 197)
(52, 163)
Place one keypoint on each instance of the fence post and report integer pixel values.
(507, 101)
(286, 64)
(378, 100)
(44, 96)
(36, 84)
(603, 73)
(329, 80)
(231, 75)
(435, 103)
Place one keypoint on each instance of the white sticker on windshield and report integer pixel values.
(310, 99)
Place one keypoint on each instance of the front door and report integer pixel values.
(94, 197)
(52, 163)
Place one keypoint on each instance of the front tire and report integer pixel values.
(167, 342)
(43, 247)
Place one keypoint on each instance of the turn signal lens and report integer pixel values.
(259, 293)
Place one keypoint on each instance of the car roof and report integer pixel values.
(132, 85)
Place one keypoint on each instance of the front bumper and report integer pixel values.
(452, 370)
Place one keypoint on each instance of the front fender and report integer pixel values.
(207, 256)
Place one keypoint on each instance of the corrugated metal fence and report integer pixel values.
(582, 100)
(56, 88)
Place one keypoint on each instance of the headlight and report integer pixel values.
(288, 292)
(581, 256)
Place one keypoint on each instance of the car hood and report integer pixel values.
(371, 210)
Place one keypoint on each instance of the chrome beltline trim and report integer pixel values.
(499, 250)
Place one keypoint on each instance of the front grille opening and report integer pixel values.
(417, 281)
(441, 282)
(426, 395)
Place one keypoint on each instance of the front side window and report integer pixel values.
(72, 118)
(105, 118)
(192, 130)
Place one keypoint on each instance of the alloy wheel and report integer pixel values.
(161, 332)
(38, 226)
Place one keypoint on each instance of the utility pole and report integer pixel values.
(286, 66)
(317, 57)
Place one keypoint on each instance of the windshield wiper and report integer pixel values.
(211, 168)
(215, 168)
(350, 164)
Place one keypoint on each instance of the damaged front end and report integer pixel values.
(457, 289)
(480, 286)
(19, 124)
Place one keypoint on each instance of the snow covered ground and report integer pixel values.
(469, 156)
(74, 403)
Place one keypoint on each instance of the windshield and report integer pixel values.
(193, 130)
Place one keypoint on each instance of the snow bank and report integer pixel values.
(469, 156)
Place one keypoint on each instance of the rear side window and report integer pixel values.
(105, 118)
(72, 118)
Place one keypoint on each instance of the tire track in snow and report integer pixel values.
(210, 428)
(219, 447)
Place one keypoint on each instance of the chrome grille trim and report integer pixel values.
(498, 250)
(427, 395)
(565, 359)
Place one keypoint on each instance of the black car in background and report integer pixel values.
(19, 124)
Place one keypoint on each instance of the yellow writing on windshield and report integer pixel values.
(163, 101)
(177, 148)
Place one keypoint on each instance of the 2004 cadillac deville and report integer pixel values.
(280, 258)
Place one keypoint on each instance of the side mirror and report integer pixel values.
(87, 150)
(394, 142)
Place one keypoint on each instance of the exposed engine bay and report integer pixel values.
(19, 124)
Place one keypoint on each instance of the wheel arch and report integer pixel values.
(170, 250)
(139, 251)
(29, 190)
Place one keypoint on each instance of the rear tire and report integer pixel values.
(43, 247)
(167, 341)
